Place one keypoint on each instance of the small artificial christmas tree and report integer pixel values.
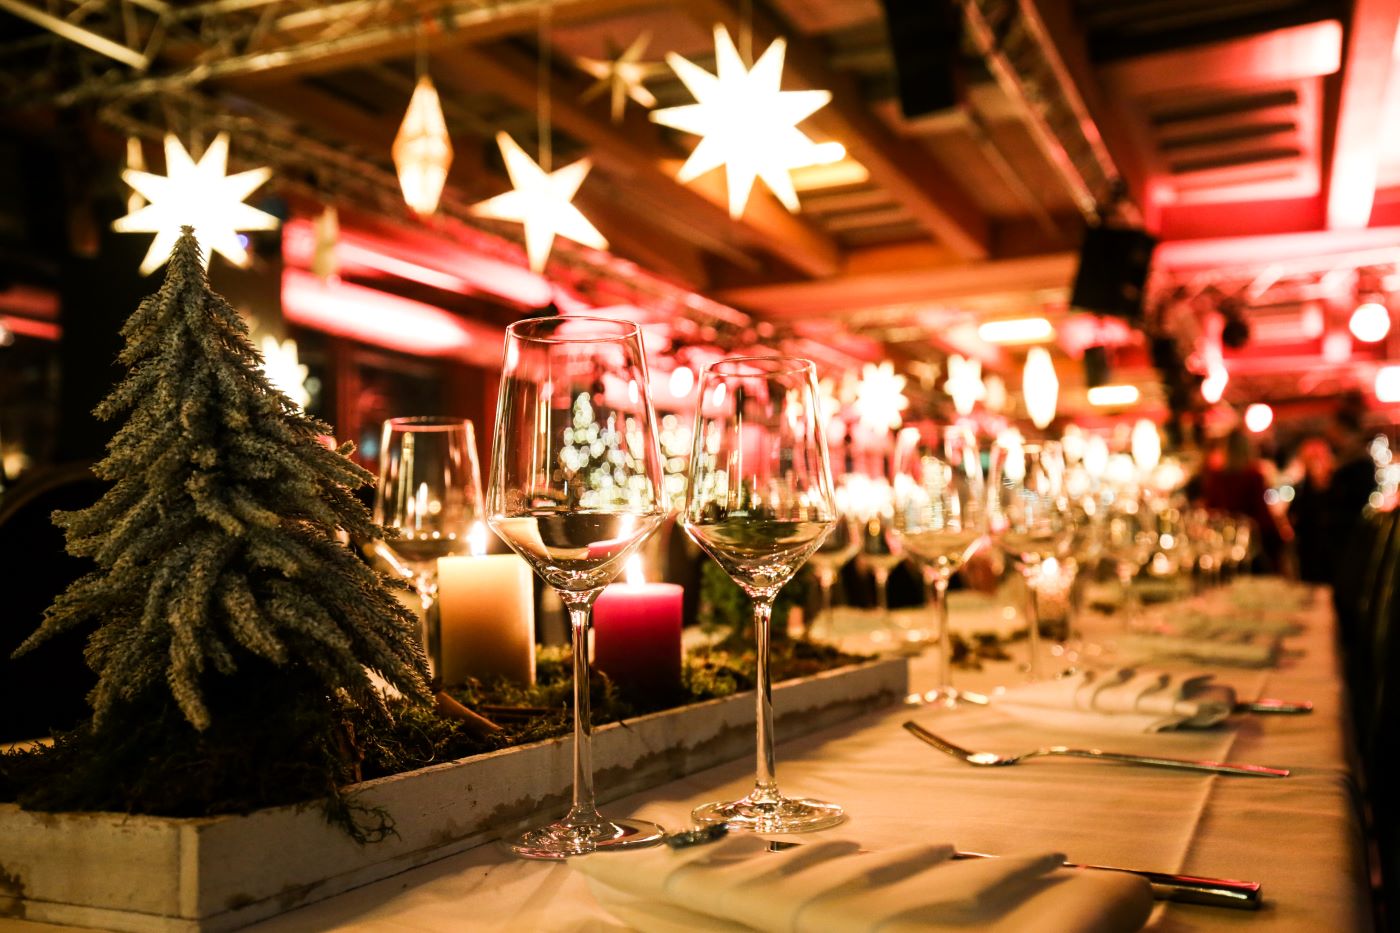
(226, 611)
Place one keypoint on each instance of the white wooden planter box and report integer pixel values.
(119, 872)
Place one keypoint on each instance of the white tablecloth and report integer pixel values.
(1299, 836)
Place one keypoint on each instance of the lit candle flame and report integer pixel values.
(476, 539)
(634, 572)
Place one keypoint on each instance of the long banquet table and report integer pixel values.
(1300, 836)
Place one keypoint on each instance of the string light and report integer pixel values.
(747, 124)
(200, 195)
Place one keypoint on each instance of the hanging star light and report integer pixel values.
(747, 123)
(284, 370)
(542, 201)
(326, 228)
(880, 397)
(422, 149)
(198, 194)
(964, 384)
(622, 76)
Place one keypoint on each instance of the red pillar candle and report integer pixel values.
(637, 634)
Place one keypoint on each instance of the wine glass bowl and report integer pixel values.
(576, 488)
(841, 544)
(429, 495)
(760, 503)
(939, 508)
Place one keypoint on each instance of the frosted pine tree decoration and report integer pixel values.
(216, 545)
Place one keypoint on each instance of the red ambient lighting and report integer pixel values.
(463, 271)
(385, 320)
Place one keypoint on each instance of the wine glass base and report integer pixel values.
(785, 815)
(563, 840)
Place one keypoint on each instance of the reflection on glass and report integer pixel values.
(430, 494)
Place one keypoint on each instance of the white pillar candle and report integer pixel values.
(487, 607)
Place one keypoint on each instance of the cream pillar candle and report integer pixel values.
(487, 609)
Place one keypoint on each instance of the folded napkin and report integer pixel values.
(1247, 650)
(833, 887)
(1135, 700)
(1211, 626)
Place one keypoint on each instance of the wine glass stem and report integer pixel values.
(1033, 627)
(431, 626)
(825, 580)
(938, 595)
(1130, 596)
(765, 787)
(882, 592)
(584, 809)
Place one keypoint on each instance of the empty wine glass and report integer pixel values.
(760, 502)
(430, 493)
(1028, 515)
(575, 489)
(836, 550)
(1130, 538)
(879, 548)
(939, 506)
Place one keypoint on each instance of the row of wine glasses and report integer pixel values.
(576, 488)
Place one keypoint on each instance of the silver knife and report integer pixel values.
(1181, 889)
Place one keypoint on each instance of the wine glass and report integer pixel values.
(1130, 538)
(1028, 516)
(836, 550)
(430, 493)
(760, 502)
(939, 507)
(576, 487)
(879, 549)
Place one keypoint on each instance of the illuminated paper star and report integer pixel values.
(542, 201)
(623, 76)
(964, 384)
(880, 397)
(285, 370)
(198, 194)
(747, 123)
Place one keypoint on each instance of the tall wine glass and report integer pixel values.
(575, 489)
(1130, 538)
(1029, 516)
(939, 509)
(760, 502)
(879, 548)
(835, 552)
(430, 492)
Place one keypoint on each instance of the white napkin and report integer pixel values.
(1131, 699)
(1233, 624)
(833, 887)
(1251, 650)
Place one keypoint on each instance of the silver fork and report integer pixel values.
(990, 760)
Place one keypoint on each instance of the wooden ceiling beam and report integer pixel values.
(635, 151)
(901, 166)
(1356, 146)
(447, 25)
(897, 277)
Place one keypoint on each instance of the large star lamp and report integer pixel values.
(747, 123)
(198, 194)
(542, 201)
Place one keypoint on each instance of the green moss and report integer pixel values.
(159, 764)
